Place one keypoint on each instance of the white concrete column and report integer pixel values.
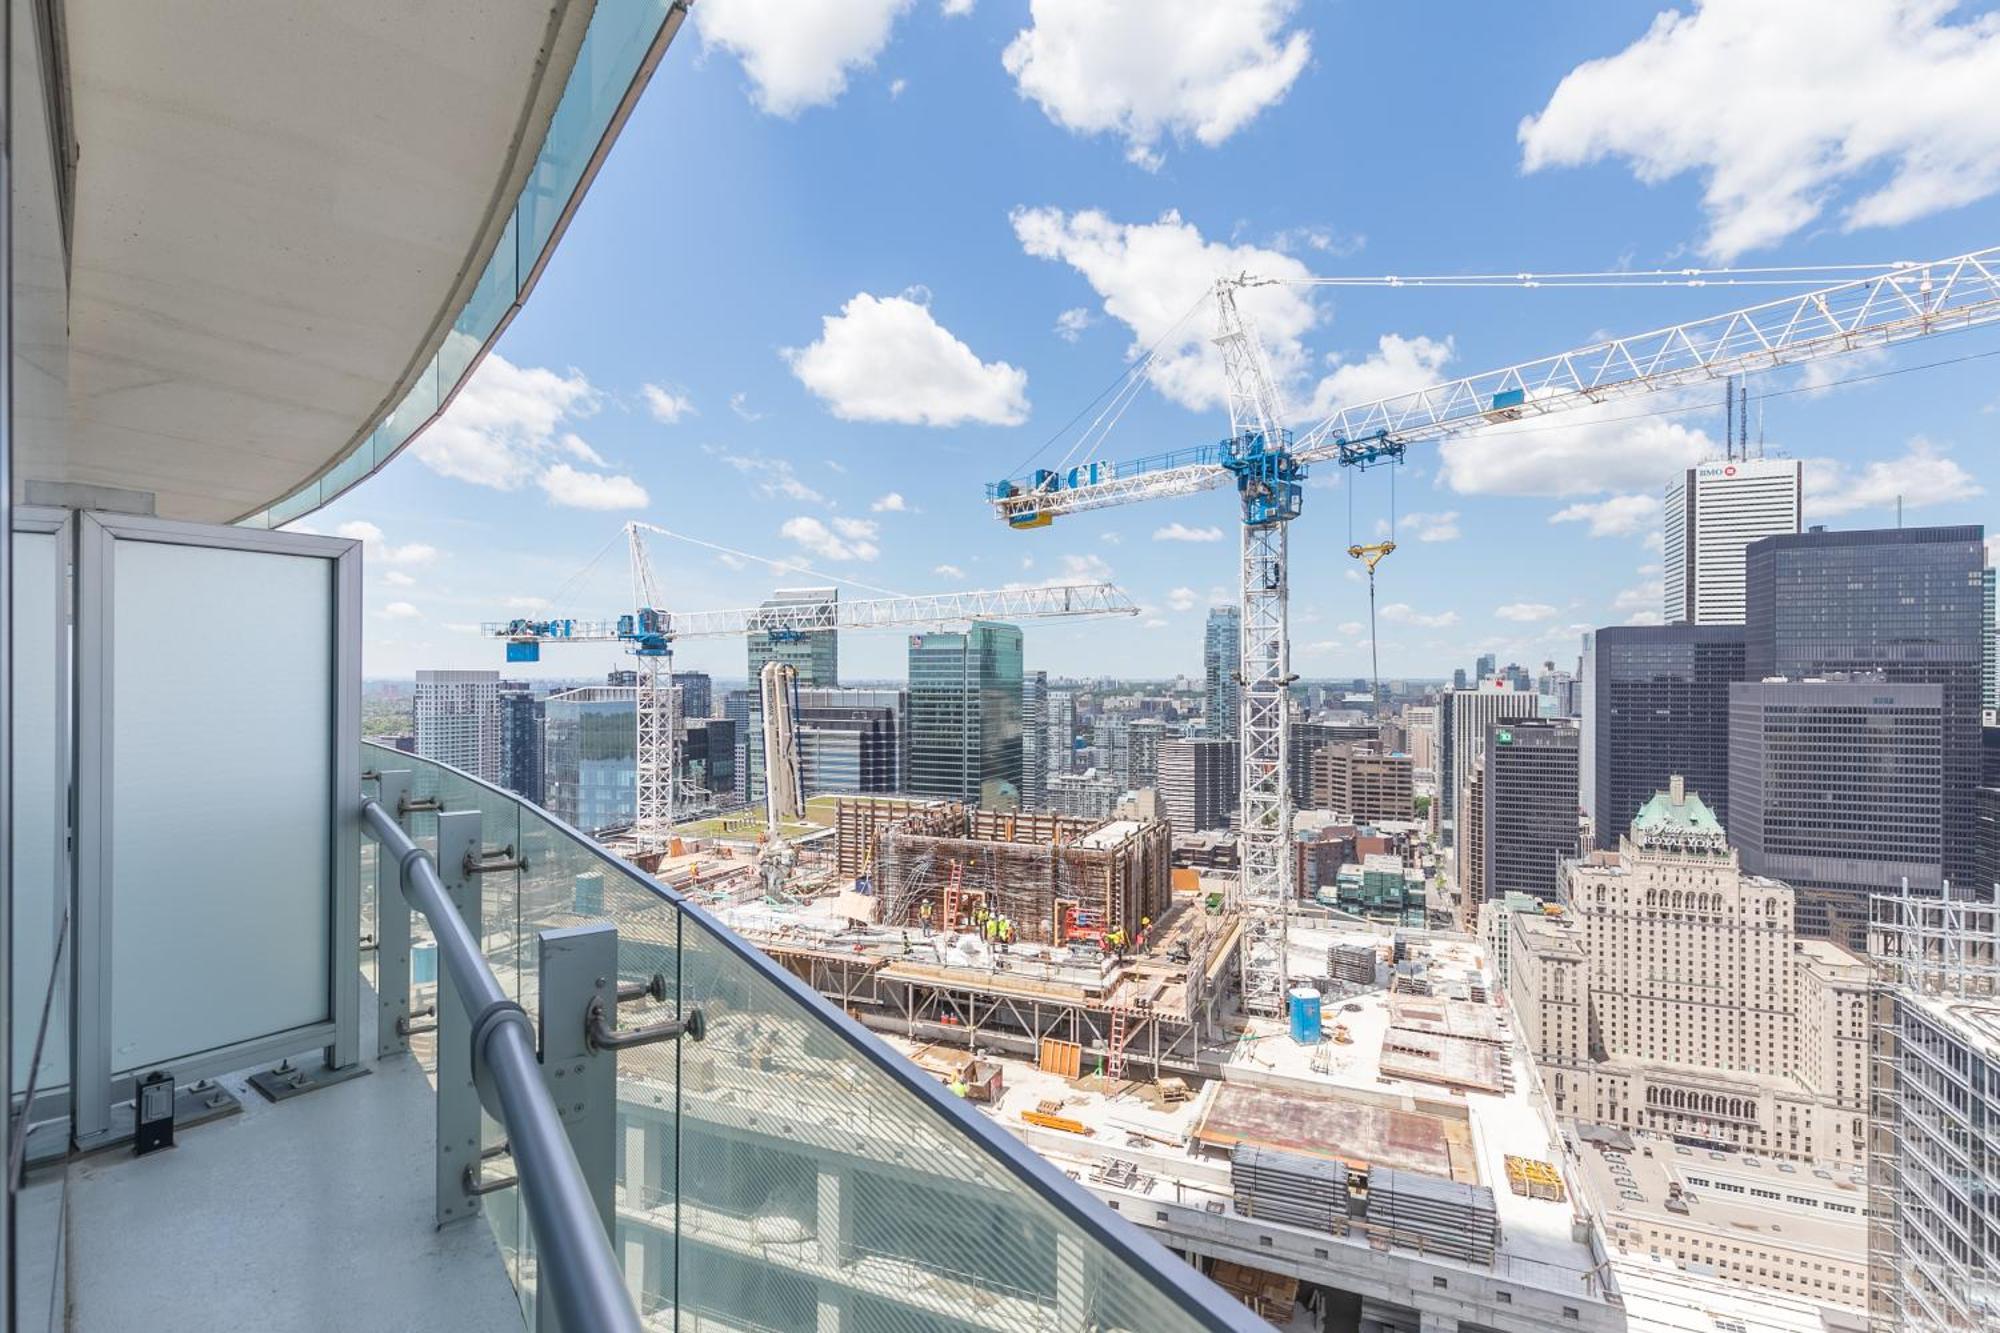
(834, 1227)
(645, 1143)
(1072, 1283)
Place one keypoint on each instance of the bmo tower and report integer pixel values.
(1712, 513)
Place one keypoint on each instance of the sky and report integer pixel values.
(852, 260)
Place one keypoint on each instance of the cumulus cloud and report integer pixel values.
(948, 571)
(1525, 612)
(1640, 604)
(401, 611)
(1183, 599)
(1350, 628)
(574, 488)
(739, 403)
(845, 539)
(1923, 475)
(1147, 70)
(377, 549)
(1151, 276)
(1881, 109)
(396, 578)
(1442, 527)
(1071, 323)
(1587, 450)
(1617, 516)
(1397, 365)
(667, 405)
(1181, 532)
(956, 9)
(1406, 614)
(892, 503)
(506, 424)
(885, 358)
(798, 53)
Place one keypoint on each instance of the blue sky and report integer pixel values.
(853, 259)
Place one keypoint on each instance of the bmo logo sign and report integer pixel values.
(1718, 470)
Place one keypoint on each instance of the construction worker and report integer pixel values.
(926, 912)
(1145, 929)
(906, 941)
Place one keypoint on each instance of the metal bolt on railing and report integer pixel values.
(655, 988)
(605, 1035)
(408, 1029)
(415, 805)
(494, 859)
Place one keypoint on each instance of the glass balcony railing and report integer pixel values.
(787, 1170)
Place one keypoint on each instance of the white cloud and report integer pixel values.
(1409, 615)
(848, 539)
(1341, 245)
(579, 449)
(1075, 569)
(884, 358)
(401, 611)
(1181, 532)
(739, 403)
(396, 578)
(1149, 69)
(956, 9)
(1617, 516)
(1641, 601)
(1152, 277)
(1924, 475)
(948, 571)
(668, 406)
(503, 426)
(772, 477)
(798, 53)
(378, 550)
(1442, 527)
(1880, 108)
(574, 488)
(1350, 628)
(892, 503)
(1071, 323)
(1183, 599)
(1586, 450)
(1525, 612)
(896, 87)
(1397, 365)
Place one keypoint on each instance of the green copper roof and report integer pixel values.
(1665, 814)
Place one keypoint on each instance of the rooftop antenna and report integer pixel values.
(1743, 422)
(1729, 419)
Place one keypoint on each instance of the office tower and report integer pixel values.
(736, 707)
(1516, 677)
(1703, 1015)
(853, 740)
(1085, 795)
(1529, 805)
(1308, 740)
(1469, 851)
(1834, 787)
(814, 654)
(697, 694)
(708, 760)
(589, 769)
(458, 720)
(1990, 673)
(1143, 737)
(1034, 740)
(1458, 678)
(965, 715)
(1199, 782)
(1482, 669)
(1462, 719)
(521, 740)
(1420, 728)
(1986, 840)
(1060, 743)
(1110, 747)
(1905, 602)
(1364, 783)
(1655, 703)
(1221, 660)
(1712, 513)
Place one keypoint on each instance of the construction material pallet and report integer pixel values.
(1276, 1186)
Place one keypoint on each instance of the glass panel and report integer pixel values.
(198, 866)
(40, 798)
(415, 409)
(498, 287)
(302, 501)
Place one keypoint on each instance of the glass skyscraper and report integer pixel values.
(1655, 703)
(1529, 805)
(590, 770)
(1906, 602)
(965, 715)
(1034, 740)
(1221, 658)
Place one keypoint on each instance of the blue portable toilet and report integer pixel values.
(424, 964)
(1305, 1016)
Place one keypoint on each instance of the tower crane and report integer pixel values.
(649, 633)
(1268, 463)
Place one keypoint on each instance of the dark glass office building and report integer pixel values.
(965, 715)
(1529, 805)
(521, 741)
(1836, 787)
(1655, 703)
(1906, 602)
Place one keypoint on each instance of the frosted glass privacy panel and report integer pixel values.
(222, 730)
(41, 883)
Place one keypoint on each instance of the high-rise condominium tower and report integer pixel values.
(1712, 512)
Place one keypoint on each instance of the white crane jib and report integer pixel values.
(649, 632)
(1268, 464)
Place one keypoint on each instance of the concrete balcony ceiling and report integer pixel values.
(279, 210)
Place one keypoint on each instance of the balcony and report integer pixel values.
(782, 1170)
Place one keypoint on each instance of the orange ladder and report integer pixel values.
(1114, 1064)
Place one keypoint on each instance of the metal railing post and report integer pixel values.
(579, 969)
(392, 926)
(458, 834)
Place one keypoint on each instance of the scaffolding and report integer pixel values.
(1934, 1185)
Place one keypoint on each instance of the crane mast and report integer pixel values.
(1901, 303)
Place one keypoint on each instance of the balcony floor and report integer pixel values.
(313, 1213)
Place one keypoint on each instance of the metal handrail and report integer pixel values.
(1208, 1305)
(575, 1253)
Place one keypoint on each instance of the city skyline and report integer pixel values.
(746, 427)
